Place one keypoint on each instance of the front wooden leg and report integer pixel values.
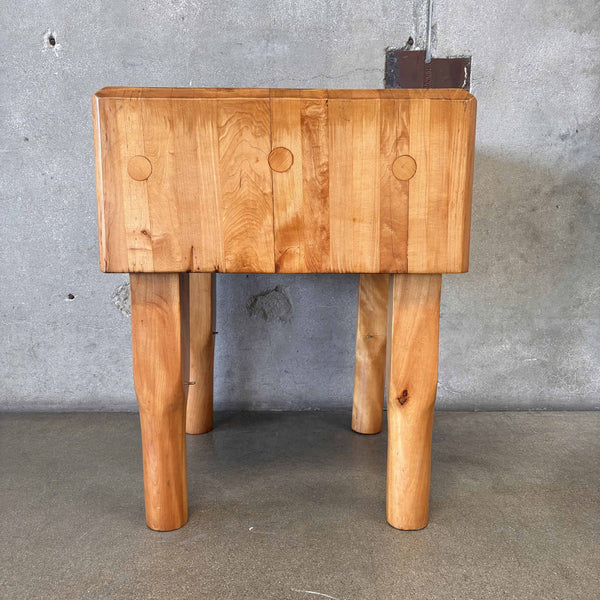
(413, 335)
(369, 366)
(202, 348)
(159, 304)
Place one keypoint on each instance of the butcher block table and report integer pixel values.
(192, 182)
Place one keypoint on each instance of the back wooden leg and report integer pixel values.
(414, 327)
(369, 369)
(159, 303)
(202, 325)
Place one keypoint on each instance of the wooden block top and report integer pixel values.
(281, 180)
(341, 94)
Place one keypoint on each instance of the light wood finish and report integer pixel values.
(290, 181)
(369, 369)
(301, 195)
(439, 224)
(159, 324)
(354, 193)
(139, 168)
(202, 290)
(281, 159)
(362, 94)
(245, 180)
(195, 181)
(394, 141)
(404, 167)
(206, 205)
(414, 310)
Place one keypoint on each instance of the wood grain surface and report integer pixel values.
(413, 333)
(202, 318)
(300, 195)
(370, 360)
(290, 181)
(159, 325)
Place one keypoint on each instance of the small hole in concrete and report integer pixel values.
(50, 42)
(70, 297)
(409, 44)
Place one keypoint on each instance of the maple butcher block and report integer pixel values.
(191, 182)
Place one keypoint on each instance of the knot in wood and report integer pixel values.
(403, 398)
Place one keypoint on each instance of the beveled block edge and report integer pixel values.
(451, 94)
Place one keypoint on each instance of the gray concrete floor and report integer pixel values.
(292, 506)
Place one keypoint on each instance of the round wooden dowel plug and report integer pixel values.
(281, 159)
(404, 167)
(139, 168)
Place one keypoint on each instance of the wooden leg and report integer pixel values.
(369, 369)
(159, 303)
(202, 324)
(414, 326)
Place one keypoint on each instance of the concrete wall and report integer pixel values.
(521, 330)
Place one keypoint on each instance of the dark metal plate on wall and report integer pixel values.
(408, 69)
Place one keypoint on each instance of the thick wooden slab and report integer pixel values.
(291, 181)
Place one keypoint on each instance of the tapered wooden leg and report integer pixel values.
(202, 324)
(413, 338)
(159, 335)
(369, 369)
